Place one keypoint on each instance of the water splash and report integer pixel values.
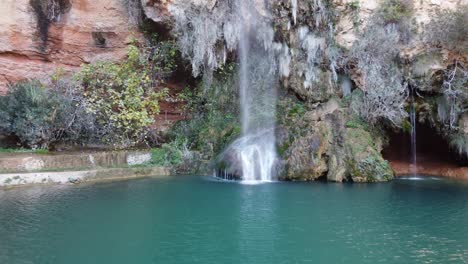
(252, 157)
(205, 35)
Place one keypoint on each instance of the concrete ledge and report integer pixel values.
(27, 162)
(73, 177)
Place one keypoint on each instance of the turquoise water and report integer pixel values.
(201, 220)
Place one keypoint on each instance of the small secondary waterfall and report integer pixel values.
(414, 164)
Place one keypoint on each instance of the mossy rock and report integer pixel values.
(336, 145)
(305, 157)
(363, 159)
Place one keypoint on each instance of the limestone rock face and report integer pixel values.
(327, 143)
(87, 31)
(156, 10)
(354, 14)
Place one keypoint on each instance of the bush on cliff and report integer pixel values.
(447, 30)
(375, 58)
(395, 11)
(125, 97)
(40, 117)
(108, 103)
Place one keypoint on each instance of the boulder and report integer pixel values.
(334, 147)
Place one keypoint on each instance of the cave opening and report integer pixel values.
(432, 149)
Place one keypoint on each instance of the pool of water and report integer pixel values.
(191, 219)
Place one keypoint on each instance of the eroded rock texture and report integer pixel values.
(39, 36)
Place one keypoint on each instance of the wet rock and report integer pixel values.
(332, 147)
(74, 180)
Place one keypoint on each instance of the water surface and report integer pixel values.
(200, 220)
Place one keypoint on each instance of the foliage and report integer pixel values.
(169, 154)
(40, 116)
(298, 109)
(394, 11)
(455, 95)
(213, 123)
(124, 97)
(460, 143)
(363, 158)
(448, 29)
(372, 169)
(23, 150)
(206, 33)
(357, 122)
(354, 8)
(353, 5)
(375, 55)
(107, 102)
(290, 111)
(406, 126)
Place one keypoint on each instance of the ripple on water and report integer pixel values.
(199, 220)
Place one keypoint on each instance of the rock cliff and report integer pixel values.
(314, 40)
(34, 43)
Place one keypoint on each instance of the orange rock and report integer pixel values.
(441, 169)
(89, 31)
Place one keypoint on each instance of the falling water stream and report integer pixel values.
(245, 27)
(253, 155)
(414, 164)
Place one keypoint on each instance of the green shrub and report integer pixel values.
(167, 155)
(109, 103)
(23, 150)
(394, 11)
(39, 116)
(357, 122)
(125, 97)
(214, 111)
(298, 109)
(354, 5)
(406, 126)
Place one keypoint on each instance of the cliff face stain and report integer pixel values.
(48, 12)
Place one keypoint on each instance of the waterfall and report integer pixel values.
(414, 164)
(204, 35)
(255, 150)
(294, 10)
